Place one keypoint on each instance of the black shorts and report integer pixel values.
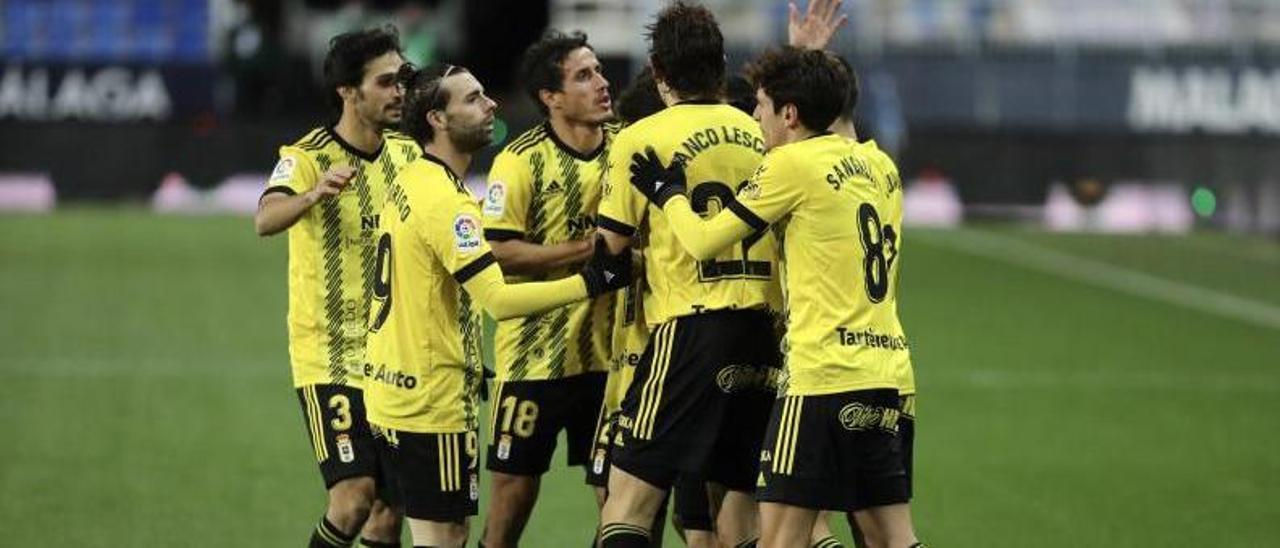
(436, 477)
(601, 448)
(700, 400)
(528, 416)
(340, 437)
(837, 452)
(692, 508)
(907, 435)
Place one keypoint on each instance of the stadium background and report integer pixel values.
(1090, 280)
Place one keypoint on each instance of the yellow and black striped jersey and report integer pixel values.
(331, 251)
(838, 206)
(720, 147)
(424, 369)
(542, 191)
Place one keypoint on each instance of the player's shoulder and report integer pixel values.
(526, 141)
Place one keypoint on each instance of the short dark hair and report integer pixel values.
(542, 66)
(851, 96)
(640, 99)
(423, 93)
(687, 50)
(349, 52)
(812, 80)
(740, 94)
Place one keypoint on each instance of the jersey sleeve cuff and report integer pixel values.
(474, 267)
(614, 225)
(752, 220)
(287, 191)
(502, 234)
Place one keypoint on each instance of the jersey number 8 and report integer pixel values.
(880, 244)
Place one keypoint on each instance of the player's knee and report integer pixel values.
(350, 502)
(382, 524)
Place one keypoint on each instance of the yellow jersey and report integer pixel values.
(424, 369)
(331, 251)
(543, 192)
(721, 147)
(838, 206)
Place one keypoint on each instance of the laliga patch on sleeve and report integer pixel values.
(284, 169)
(466, 233)
(495, 199)
(750, 190)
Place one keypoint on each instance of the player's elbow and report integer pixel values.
(262, 226)
(501, 311)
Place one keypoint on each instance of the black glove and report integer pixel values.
(606, 272)
(657, 182)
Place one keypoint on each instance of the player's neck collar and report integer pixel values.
(698, 102)
(551, 132)
(366, 156)
(436, 159)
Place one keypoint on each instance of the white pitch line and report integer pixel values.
(1133, 282)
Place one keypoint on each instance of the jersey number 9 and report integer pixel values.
(382, 283)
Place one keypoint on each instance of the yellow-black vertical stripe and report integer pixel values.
(315, 421)
(784, 448)
(455, 441)
(495, 407)
(651, 395)
(443, 457)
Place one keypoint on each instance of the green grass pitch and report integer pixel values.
(1066, 398)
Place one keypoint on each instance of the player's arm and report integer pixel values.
(506, 207)
(294, 188)
(621, 207)
(484, 281)
(704, 239)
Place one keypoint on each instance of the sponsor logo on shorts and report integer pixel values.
(504, 447)
(346, 452)
(859, 416)
(739, 378)
(766, 456)
(474, 488)
(597, 464)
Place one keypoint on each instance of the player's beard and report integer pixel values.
(470, 138)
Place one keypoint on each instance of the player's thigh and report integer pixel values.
(784, 525)
(526, 417)
(436, 475)
(341, 439)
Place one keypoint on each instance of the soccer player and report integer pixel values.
(327, 190)
(713, 349)
(539, 218)
(833, 441)
(434, 273)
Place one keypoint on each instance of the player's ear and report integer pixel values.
(791, 115)
(549, 98)
(436, 118)
(347, 93)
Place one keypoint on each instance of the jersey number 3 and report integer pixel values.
(880, 245)
(382, 283)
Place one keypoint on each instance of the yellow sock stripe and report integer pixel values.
(494, 401)
(621, 528)
(780, 441)
(442, 456)
(316, 416)
(329, 536)
(654, 385)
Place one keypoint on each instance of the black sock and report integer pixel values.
(379, 544)
(828, 542)
(747, 543)
(328, 535)
(623, 535)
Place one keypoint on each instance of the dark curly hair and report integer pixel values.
(687, 50)
(423, 93)
(542, 66)
(812, 80)
(851, 97)
(348, 54)
(640, 99)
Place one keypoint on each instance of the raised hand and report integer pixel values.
(657, 182)
(819, 24)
